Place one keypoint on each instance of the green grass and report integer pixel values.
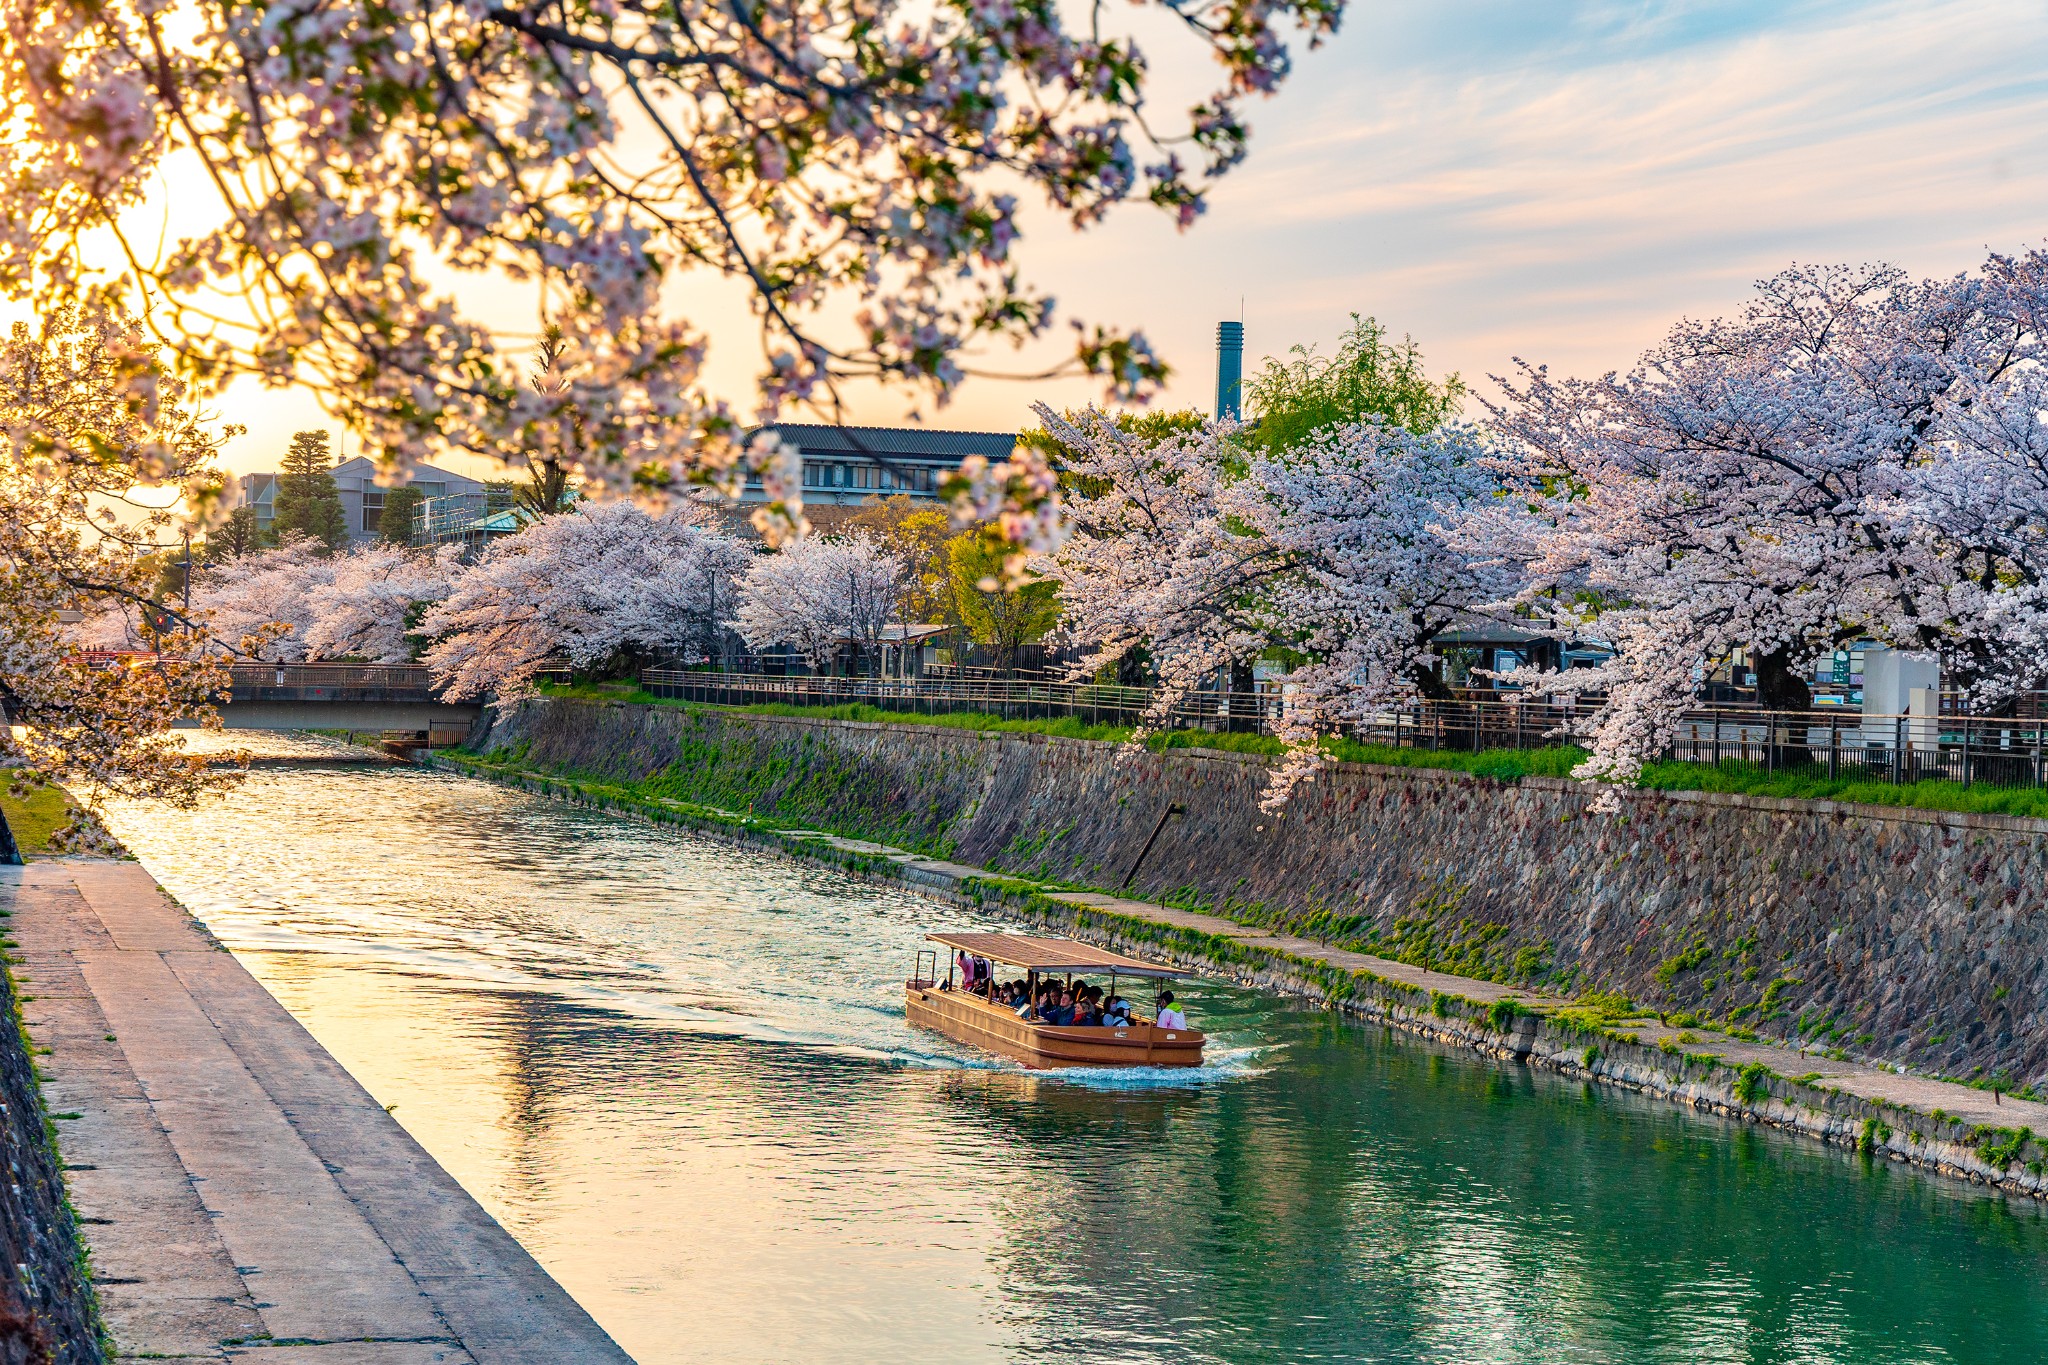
(1813, 784)
(33, 816)
(1504, 765)
(1066, 726)
(600, 691)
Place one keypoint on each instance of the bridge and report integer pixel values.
(374, 697)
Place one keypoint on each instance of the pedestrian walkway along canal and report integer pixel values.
(679, 1074)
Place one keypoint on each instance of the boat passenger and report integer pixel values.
(1118, 1014)
(1062, 1013)
(1169, 1013)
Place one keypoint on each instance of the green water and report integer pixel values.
(680, 1075)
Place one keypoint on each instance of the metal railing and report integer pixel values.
(1009, 698)
(331, 677)
(2003, 751)
(1836, 743)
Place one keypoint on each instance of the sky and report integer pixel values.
(1554, 181)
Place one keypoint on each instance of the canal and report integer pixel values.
(679, 1074)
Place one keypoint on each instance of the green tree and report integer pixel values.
(308, 501)
(993, 615)
(394, 523)
(918, 534)
(239, 535)
(1368, 376)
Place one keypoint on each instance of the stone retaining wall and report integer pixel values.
(1911, 936)
(46, 1303)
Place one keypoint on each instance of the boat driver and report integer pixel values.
(1169, 1013)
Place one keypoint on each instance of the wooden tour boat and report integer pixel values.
(971, 1018)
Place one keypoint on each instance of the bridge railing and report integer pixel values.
(331, 677)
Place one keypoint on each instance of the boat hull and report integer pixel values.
(971, 1020)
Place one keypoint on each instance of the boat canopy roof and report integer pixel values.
(1050, 954)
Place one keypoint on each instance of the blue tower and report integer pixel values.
(1229, 369)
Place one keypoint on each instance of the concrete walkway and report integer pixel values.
(1926, 1095)
(243, 1197)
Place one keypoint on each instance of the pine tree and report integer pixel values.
(236, 537)
(308, 501)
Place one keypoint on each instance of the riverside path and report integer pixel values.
(243, 1197)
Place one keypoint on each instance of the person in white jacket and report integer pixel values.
(1169, 1013)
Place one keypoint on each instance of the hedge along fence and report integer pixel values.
(1590, 1039)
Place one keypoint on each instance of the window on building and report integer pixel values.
(810, 474)
(373, 507)
(862, 475)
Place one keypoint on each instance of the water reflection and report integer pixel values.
(680, 1075)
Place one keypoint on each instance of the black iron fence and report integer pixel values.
(1837, 743)
(1009, 698)
(2005, 751)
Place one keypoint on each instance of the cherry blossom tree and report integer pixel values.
(820, 597)
(588, 588)
(1333, 551)
(856, 165)
(262, 605)
(91, 421)
(1858, 455)
(372, 605)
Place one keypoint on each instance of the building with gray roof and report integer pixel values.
(848, 465)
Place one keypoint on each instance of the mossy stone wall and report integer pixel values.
(46, 1303)
(1915, 936)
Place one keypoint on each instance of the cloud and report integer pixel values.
(1564, 183)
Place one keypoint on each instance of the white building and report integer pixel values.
(362, 500)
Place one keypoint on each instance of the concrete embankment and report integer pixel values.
(1917, 938)
(243, 1198)
(853, 786)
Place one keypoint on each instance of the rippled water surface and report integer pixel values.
(680, 1075)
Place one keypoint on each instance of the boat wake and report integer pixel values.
(1220, 1066)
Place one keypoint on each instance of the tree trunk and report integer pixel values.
(1243, 710)
(1780, 687)
(1430, 683)
(10, 852)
